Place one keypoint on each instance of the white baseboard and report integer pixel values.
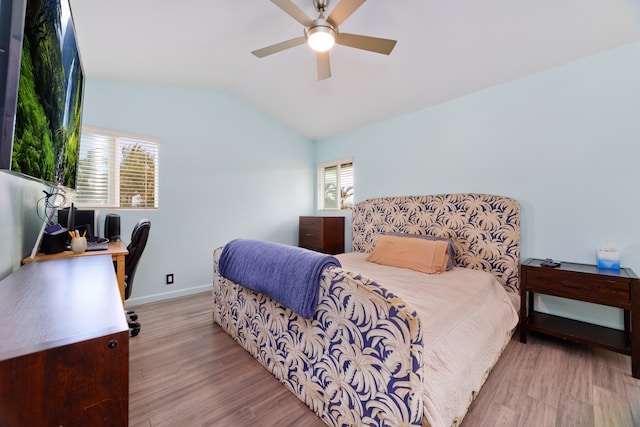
(168, 295)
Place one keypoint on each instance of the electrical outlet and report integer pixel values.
(170, 279)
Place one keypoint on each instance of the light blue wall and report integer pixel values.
(226, 171)
(565, 143)
(19, 221)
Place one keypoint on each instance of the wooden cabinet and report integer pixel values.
(583, 282)
(322, 234)
(64, 345)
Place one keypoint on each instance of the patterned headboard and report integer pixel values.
(484, 227)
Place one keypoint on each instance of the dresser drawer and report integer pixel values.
(311, 230)
(321, 234)
(311, 222)
(311, 239)
(585, 287)
(310, 233)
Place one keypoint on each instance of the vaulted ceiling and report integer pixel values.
(445, 49)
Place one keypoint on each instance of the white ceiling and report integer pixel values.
(445, 49)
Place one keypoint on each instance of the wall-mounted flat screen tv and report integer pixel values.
(43, 88)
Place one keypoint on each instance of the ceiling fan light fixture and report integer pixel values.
(321, 38)
(322, 33)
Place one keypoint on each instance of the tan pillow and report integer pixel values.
(452, 246)
(427, 256)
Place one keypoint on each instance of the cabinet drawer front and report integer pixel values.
(310, 239)
(578, 286)
(311, 222)
(310, 232)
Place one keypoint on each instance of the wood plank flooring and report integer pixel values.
(186, 371)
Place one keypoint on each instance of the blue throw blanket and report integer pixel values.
(287, 274)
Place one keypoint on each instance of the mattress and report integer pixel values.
(468, 318)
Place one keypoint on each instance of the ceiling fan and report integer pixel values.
(321, 33)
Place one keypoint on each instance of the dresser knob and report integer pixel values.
(309, 234)
(112, 343)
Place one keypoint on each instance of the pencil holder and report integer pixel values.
(78, 245)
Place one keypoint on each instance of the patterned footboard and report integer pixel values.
(358, 361)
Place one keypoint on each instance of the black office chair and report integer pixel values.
(136, 247)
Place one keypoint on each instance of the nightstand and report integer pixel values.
(583, 282)
(322, 234)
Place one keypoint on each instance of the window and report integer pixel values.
(336, 185)
(117, 170)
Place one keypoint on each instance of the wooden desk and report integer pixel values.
(64, 345)
(117, 250)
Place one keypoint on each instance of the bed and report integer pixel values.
(376, 351)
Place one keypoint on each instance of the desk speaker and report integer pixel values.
(112, 227)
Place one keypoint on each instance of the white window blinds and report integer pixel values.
(335, 185)
(117, 170)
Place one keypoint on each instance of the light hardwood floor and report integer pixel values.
(186, 371)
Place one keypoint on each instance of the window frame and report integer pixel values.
(114, 144)
(339, 164)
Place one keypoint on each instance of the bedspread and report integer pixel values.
(467, 319)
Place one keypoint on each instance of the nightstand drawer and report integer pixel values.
(597, 289)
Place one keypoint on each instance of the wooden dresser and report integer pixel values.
(64, 345)
(322, 234)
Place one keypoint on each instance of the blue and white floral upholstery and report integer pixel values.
(484, 227)
(359, 360)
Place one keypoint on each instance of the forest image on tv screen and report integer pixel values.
(48, 114)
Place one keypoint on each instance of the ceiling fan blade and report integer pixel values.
(343, 10)
(294, 11)
(275, 48)
(373, 44)
(324, 65)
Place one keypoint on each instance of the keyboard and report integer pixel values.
(97, 244)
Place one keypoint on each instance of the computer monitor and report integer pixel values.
(81, 220)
